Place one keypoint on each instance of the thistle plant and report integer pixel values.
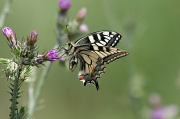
(19, 67)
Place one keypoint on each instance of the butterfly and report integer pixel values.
(94, 52)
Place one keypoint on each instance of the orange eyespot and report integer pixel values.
(81, 78)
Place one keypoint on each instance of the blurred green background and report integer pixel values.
(151, 33)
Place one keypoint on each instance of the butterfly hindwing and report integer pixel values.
(92, 62)
(91, 67)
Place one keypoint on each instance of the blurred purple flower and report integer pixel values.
(157, 113)
(52, 55)
(64, 4)
(160, 112)
(32, 38)
(167, 112)
(62, 59)
(83, 28)
(9, 33)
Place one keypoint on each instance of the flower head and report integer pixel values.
(81, 14)
(52, 55)
(32, 38)
(83, 28)
(64, 4)
(9, 33)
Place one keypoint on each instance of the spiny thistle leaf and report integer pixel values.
(4, 61)
(10, 88)
(10, 93)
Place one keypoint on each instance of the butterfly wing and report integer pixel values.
(100, 38)
(93, 60)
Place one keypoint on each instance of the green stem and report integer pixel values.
(15, 93)
(5, 12)
(39, 88)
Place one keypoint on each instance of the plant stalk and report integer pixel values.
(5, 12)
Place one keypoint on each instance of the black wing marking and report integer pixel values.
(100, 38)
(73, 63)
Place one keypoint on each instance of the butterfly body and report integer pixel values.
(93, 52)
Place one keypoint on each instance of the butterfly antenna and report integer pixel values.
(68, 32)
(62, 55)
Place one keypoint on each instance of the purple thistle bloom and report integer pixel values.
(52, 55)
(64, 4)
(8, 32)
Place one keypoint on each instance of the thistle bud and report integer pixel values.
(81, 14)
(32, 38)
(8, 32)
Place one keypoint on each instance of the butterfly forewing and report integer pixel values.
(100, 38)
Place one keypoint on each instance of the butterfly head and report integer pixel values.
(70, 49)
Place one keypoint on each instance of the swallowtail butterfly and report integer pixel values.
(93, 52)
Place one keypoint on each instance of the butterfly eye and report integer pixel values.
(69, 44)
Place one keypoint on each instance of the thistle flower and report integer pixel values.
(32, 38)
(83, 28)
(51, 55)
(64, 4)
(81, 14)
